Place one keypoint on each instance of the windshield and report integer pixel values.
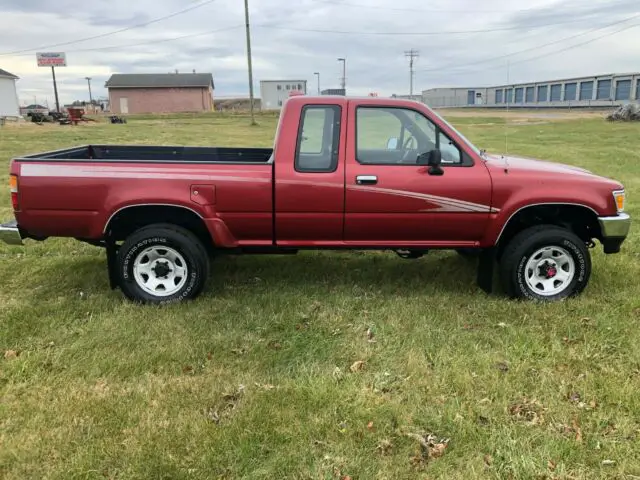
(464, 139)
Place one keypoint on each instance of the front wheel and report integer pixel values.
(161, 264)
(545, 263)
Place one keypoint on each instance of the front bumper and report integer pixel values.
(10, 233)
(614, 231)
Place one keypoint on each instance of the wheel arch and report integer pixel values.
(579, 218)
(124, 221)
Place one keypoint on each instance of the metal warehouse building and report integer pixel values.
(596, 91)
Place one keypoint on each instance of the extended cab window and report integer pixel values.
(318, 139)
(397, 136)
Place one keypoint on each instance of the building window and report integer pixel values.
(623, 90)
(288, 87)
(519, 95)
(508, 94)
(543, 91)
(604, 90)
(318, 139)
(279, 103)
(586, 90)
(570, 91)
(556, 92)
(300, 86)
(499, 96)
(530, 95)
(279, 87)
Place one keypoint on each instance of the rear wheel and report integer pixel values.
(545, 263)
(161, 264)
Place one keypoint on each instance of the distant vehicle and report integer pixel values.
(344, 173)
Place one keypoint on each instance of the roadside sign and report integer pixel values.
(51, 59)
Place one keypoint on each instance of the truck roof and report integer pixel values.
(341, 99)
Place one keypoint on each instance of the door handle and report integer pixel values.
(366, 179)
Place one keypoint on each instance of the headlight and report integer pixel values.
(618, 196)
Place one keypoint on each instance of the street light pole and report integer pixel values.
(246, 18)
(344, 74)
(89, 84)
(318, 75)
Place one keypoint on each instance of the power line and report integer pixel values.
(431, 10)
(152, 42)
(455, 32)
(537, 47)
(411, 55)
(578, 44)
(102, 35)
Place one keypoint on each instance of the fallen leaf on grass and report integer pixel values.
(357, 366)
(551, 465)
(187, 369)
(384, 447)
(275, 345)
(608, 462)
(239, 351)
(370, 426)
(9, 354)
(209, 356)
(574, 397)
(346, 477)
(502, 366)
(578, 430)
(488, 460)
(502, 325)
(370, 335)
(229, 403)
(429, 447)
(528, 411)
(337, 373)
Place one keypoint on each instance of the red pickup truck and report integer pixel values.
(344, 173)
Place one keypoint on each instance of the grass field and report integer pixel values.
(258, 378)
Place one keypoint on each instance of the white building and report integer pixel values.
(9, 106)
(273, 93)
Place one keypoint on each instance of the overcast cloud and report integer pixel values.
(285, 44)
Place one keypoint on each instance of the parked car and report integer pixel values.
(344, 173)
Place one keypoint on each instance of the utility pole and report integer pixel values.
(411, 55)
(55, 87)
(318, 75)
(343, 82)
(246, 19)
(89, 84)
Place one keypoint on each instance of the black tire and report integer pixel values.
(520, 249)
(180, 240)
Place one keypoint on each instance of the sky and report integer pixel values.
(464, 43)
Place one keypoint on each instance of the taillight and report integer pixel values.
(13, 185)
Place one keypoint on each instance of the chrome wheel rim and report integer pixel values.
(160, 271)
(549, 271)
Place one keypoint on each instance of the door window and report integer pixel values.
(397, 136)
(318, 139)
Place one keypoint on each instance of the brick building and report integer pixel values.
(160, 92)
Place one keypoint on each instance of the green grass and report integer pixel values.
(102, 388)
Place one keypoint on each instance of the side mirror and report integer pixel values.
(392, 143)
(435, 158)
(432, 159)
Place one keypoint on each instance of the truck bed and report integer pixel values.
(156, 154)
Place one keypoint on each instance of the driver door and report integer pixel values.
(392, 200)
